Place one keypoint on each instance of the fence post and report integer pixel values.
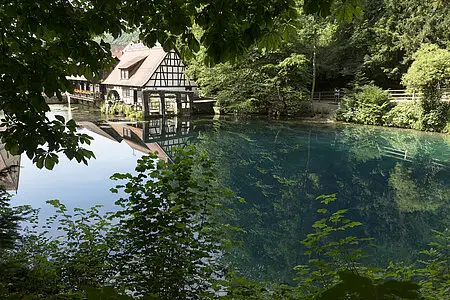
(413, 95)
(319, 95)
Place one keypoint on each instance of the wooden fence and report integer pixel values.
(328, 96)
(394, 95)
(405, 96)
(401, 154)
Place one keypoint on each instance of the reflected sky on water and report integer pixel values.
(117, 144)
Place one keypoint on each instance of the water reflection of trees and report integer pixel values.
(280, 169)
(417, 164)
(262, 174)
(400, 216)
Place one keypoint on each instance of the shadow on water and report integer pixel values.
(396, 182)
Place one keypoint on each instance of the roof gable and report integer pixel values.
(170, 73)
(150, 58)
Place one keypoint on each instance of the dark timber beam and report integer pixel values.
(178, 103)
(162, 96)
(146, 108)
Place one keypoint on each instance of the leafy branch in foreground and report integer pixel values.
(354, 286)
(435, 273)
(172, 238)
(330, 249)
(334, 269)
(10, 217)
(167, 242)
(42, 145)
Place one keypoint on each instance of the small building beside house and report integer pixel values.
(86, 90)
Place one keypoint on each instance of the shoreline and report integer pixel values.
(309, 120)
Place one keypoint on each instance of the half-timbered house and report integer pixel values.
(142, 68)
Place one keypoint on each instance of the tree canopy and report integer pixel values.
(43, 41)
(430, 69)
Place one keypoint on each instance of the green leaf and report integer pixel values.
(50, 162)
(241, 200)
(322, 210)
(71, 125)
(40, 162)
(60, 118)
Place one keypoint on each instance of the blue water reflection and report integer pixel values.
(396, 182)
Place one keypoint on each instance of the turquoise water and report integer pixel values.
(396, 182)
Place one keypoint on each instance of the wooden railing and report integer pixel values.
(405, 96)
(328, 96)
(394, 96)
(401, 154)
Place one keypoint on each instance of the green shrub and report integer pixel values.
(139, 114)
(447, 128)
(404, 115)
(120, 108)
(367, 105)
(113, 109)
(370, 105)
(412, 115)
(103, 107)
(436, 119)
(428, 73)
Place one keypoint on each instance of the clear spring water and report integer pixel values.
(396, 182)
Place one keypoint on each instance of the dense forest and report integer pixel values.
(392, 45)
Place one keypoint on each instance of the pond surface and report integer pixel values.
(396, 182)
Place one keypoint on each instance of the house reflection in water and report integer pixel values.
(9, 170)
(157, 135)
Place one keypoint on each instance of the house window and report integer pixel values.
(124, 74)
(127, 132)
(126, 93)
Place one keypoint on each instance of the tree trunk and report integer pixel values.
(313, 87)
